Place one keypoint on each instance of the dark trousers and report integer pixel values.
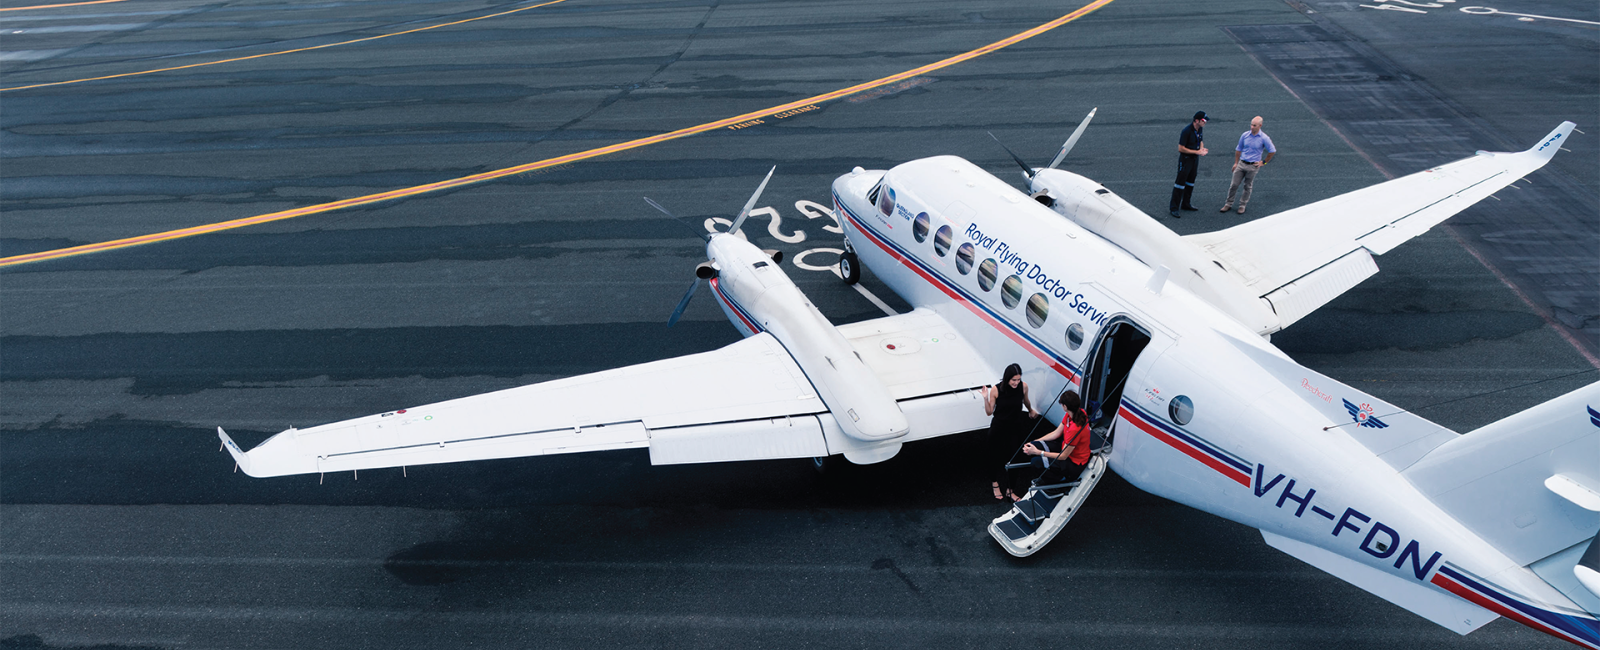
(1183, 187)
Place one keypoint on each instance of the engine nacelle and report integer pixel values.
(1103, 213)
(750, 280)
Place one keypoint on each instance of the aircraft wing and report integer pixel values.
(1300, 259)
(746, 401)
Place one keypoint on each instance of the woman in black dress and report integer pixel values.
(1008, 402)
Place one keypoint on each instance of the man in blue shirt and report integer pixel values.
(1253, 152)
(1191, 146)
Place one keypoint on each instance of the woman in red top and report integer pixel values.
(1067, 464)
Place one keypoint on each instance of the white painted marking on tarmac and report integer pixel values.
(1489, 11)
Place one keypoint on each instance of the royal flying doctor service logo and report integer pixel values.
(1363, 415)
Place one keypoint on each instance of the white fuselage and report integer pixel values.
(1255, 452)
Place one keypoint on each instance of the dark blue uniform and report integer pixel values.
(1188, 168)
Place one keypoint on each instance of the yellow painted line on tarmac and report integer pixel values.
(68, 4)
(550, 162)
(267, 54)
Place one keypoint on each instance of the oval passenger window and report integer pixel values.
(919, 229)
(942, 240)
(1181, 409)
(987, 272)
(1038, 309)
(964, 256)
(1011, 291)
(1074, 336)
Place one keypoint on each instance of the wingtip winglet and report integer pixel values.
(239, 456)
(1547, 146)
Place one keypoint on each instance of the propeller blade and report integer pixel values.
(683, 304)
(1074, 139)
(751, 203)
(686, 224)
(1026, 170)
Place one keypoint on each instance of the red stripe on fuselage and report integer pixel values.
(1031, 347)
(1497, 607)
(716, 289)
(1158, 434)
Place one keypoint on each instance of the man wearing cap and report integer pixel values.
(1191, 146)
(1253, 151)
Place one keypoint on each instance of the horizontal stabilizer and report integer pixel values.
(1493, 479)
(1449, 611)
(1565, 572)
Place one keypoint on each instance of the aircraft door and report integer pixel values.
(1105, 376)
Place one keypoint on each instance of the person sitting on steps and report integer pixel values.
(1065, 464)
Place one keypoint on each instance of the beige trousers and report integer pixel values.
(1243, 174)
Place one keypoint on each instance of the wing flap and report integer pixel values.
(746, 401)
(750, 381)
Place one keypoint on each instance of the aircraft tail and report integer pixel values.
(1510, 481)
(1529, 485)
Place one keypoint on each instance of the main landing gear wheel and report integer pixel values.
(849, 267)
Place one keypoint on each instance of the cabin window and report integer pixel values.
(964, 257)
(987, 272)
(942, 240)
(886, 201)
(1074, 336)
(1038, 309)
(1011, 291)
(1181, 410)
(919, 227)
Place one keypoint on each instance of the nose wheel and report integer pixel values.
(849, 267)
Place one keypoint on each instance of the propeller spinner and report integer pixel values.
(705, 270)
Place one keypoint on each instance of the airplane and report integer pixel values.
(1167, 337)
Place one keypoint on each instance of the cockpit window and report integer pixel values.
(886, 201)
(964, 257)
(942, 240)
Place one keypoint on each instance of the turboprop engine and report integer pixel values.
(759, 297)
(1103, 213)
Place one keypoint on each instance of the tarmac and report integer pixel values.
(122, 526)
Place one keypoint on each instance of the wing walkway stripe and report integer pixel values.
(549, 162)
(267, 54)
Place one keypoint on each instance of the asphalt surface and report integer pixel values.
(121, 525)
